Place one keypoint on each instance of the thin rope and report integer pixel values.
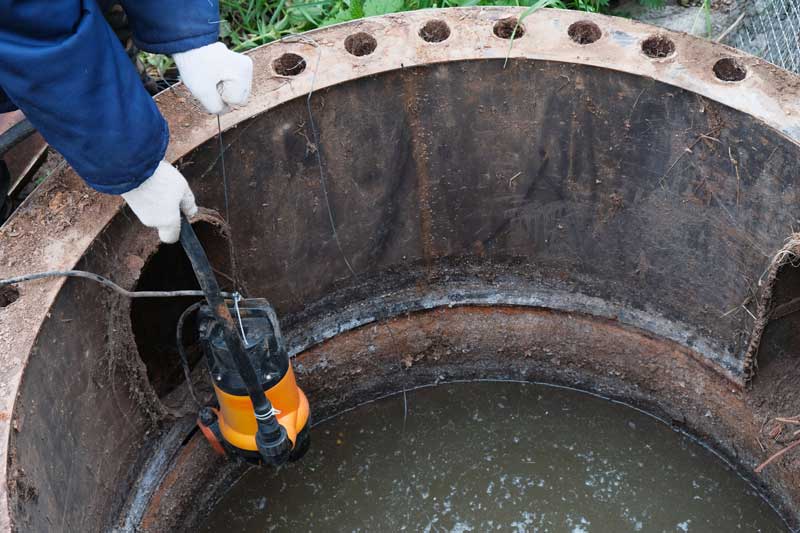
(222, 165)
(231, 248)
(236, 298)
(318, 154)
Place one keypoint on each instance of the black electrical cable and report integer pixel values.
(103, 281)
(187, 372)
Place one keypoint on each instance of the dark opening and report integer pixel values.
(658, 46)
(360, 44)
(154, 319)
(584, 32)
(505, 28)
(8, 295)
(289, 65)
(782, 332)
(728, 69)
(435, 31)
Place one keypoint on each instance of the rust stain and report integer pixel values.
(153, 517)
(419, 150)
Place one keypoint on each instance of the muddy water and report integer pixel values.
(496, 457)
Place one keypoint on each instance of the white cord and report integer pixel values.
(236, 298)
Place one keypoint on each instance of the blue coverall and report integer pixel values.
(63, 66)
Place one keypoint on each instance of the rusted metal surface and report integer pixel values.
(450, 344)
(589, 179)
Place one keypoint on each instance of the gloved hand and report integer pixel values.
(216, 76)
(160, 199)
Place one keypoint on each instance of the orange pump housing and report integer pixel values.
(237, 421)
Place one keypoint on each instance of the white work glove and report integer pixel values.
(160, 199)
(216, 76)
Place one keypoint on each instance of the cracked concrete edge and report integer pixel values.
(43, 237)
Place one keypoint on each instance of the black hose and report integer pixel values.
(187, 371)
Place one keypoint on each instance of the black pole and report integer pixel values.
(271, 439)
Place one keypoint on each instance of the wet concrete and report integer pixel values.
(496, 456)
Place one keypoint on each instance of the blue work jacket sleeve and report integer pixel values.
(170, 26)
(62, 65)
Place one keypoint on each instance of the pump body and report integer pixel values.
(234, 423)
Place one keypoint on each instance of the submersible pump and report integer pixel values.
(262, 415)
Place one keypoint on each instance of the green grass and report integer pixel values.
(250, 23)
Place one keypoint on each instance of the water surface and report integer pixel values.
(496, 457)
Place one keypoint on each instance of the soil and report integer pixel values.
(658, 47)
(728, 69)
(584, 32)
(8, 295)
(289, 65)
(505, 28)
(435, 31)
(360, 44)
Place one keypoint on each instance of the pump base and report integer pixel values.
(301, 444)
(208, 423)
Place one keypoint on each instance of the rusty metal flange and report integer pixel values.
(729, 124)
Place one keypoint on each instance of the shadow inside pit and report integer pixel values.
(154, 320)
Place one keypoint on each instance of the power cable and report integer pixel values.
(105, 282)
(187, 371)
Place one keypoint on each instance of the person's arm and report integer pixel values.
(170, 26)
(189, 30)
(63, 67)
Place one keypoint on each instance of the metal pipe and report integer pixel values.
(15, 135)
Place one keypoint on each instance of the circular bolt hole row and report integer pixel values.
(509, 27)
(360, 44)
(658, 47)
(434, 31)
(289, 64)
(584, 32)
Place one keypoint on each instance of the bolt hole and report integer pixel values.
(584, 32)
(658, 47)
(360, 44)
(729, 69)
(435, 31)
(289, 65)
(8, 295)
(504, 28)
